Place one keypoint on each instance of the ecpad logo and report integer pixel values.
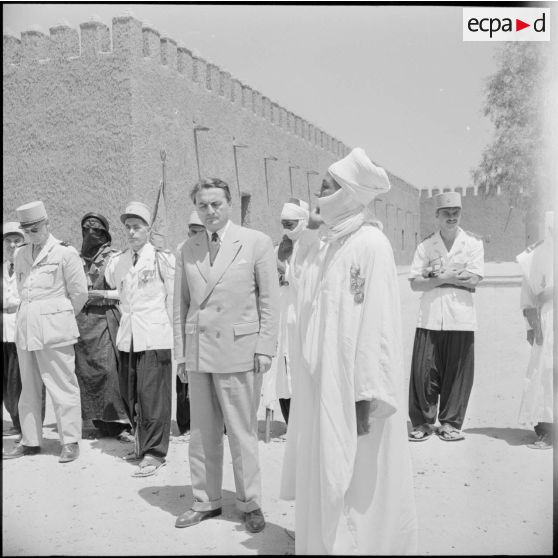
(506, 24)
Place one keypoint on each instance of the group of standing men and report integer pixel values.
(222, 307)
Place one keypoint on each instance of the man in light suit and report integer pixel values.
(226, 309)
(52, 288)
(143, 277)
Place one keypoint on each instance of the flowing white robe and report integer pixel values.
(277, 381)
(353, 495)
(536, 292)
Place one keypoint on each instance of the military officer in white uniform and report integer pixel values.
(446, 268)
(53, 289)
(11, 380)
(144, 278)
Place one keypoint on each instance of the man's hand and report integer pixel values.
(314, 220)
(181, 372)
(262, 363)
(285, 249)
(449, 276)
(362, 417)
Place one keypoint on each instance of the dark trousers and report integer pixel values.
(11, 384)
(145, 385)
(182, 406)
(442, 368)
(285, 408)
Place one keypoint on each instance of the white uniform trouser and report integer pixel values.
(56, 369)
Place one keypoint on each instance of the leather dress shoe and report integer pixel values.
(193, 517)
(69, 453)
(20, 450)
(254, 521)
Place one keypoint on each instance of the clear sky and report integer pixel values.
(396, 80)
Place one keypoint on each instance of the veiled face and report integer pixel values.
(289, 224)
(195, 229)
(329, 186)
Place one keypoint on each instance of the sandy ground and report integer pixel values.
(488, 494)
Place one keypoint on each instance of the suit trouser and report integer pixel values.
(442, 366)
(232, 400)
(145, 381)
(55, 368)
(11, 384)
(182, 406)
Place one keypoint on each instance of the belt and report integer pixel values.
(101, 302)
(448, 286)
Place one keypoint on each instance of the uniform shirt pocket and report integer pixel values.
(246, 328)
(57, 321)
(45, 273)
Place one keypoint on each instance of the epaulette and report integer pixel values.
(531, 247)
(427, 237)
(474, 235)
(64, 243)
(164, 250)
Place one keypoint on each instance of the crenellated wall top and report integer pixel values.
(130, 39)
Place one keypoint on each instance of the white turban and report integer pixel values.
(360, 177)
(195, 219)
(294, 210)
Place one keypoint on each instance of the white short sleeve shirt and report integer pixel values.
(448, 308)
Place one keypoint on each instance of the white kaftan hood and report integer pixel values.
(361, 181)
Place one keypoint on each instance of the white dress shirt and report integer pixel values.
(10, 298)
(448, 308)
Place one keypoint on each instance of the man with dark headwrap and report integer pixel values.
(96, 352)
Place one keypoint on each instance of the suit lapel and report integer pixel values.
(230, 247)
(200, 252)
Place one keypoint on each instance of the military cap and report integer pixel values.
(137, 209)
(11, 227)
(31, 213)
(447, 199)
(195, 219)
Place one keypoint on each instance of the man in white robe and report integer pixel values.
(277, 384)
(536, 301)
(347, 461)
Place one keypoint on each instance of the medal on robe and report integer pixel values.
(146, 275)
(357, 284)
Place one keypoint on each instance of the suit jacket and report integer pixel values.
(145, 298)
(225, 313)
(53, 290)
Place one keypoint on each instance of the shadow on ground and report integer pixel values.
(175, 500)
(512, 436)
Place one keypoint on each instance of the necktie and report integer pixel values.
(213, 247)
(11, 270)
(135, 258)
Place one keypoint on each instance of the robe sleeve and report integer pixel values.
(378, 362)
